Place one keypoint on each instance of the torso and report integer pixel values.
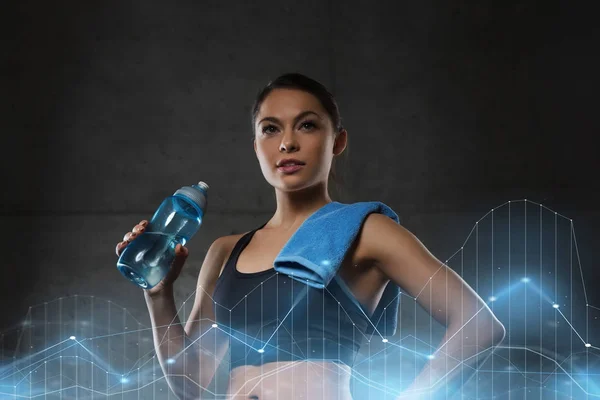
(295, 379)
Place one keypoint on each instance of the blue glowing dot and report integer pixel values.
(326, 262)
(431, 356)
(384, 340)
(555, 305)
(124, 380)
(214, 325)
(72, 338)
(525, 280)
(261, 350)
(493, 298)
(170, 361)
(588, 345)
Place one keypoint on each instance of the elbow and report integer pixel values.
(492, 332)
(498, 333)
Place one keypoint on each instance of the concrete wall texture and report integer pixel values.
(452, 108)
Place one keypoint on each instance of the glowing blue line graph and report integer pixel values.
(551, 349)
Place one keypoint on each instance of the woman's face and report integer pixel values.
(292, 124)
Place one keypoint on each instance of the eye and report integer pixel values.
(311, 125)
(266, 129)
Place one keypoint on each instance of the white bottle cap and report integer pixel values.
(203, 185)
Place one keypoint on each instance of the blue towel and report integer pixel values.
(316, 250)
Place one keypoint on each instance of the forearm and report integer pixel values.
(179, 358)
(465, 346)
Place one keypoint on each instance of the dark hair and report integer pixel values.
(298, 81)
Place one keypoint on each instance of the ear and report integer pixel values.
(254, 141)
(340, 142)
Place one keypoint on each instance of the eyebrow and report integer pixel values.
(298, 117)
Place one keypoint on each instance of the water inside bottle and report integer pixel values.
(148, 258)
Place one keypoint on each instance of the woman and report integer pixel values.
(297, 135)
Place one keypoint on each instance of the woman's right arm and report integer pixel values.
(189, 357)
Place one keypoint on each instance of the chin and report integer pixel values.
(289, 183)
(291, 187)
(295, 186)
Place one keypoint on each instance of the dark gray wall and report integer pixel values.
(452, 108)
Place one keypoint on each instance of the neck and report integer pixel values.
(293, 208)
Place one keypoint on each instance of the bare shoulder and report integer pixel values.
(399, 254)
(373, 235)
(226, 243)
(381, 234)
(223, 246)
(376, 224)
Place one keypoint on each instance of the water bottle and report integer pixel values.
(147, 259)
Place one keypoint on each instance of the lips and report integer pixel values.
(290, 168)
(289, 162)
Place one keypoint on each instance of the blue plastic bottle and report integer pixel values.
(147, 259)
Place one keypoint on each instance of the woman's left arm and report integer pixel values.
(471, 327)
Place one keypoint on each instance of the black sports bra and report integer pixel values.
(272, 317)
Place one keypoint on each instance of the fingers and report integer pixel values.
(181, 251)
(139, 228)
(129, 236)
(181, 254)
(120, 247)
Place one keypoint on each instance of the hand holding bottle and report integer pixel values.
(153, 253)
(181, 254)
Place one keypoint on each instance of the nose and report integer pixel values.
(288, 143)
